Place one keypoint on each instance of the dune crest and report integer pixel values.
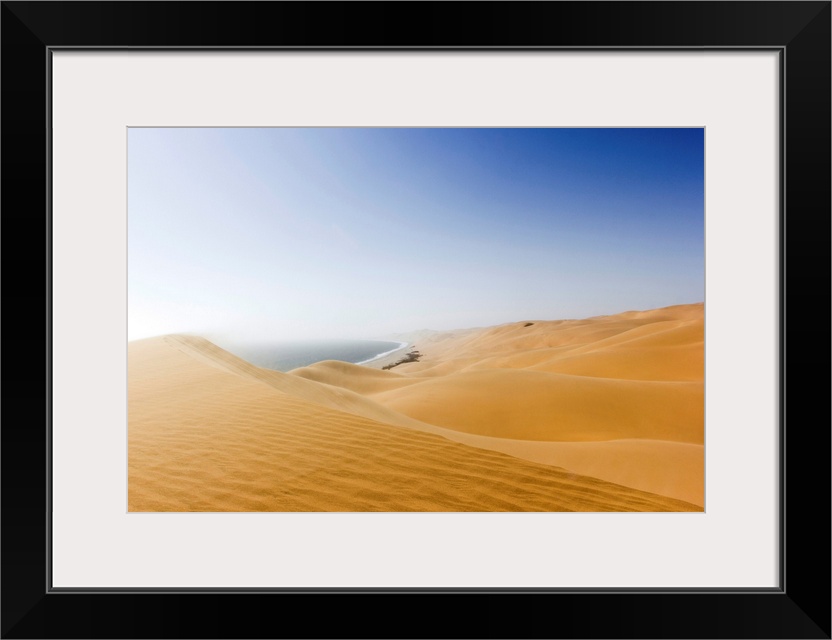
(602, 414)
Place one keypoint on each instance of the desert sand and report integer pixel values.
(600, 414)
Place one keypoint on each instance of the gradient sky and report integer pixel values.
(280, 234)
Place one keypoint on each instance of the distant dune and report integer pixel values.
(602, 414)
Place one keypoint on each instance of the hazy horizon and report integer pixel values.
(333, 233)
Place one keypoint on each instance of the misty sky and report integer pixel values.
(280, 234)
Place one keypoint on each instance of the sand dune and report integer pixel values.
(534, 405)
(588, 415)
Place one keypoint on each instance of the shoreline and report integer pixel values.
(385, 359)
(402, 345)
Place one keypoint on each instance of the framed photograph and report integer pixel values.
(567, 375)
(558, 249)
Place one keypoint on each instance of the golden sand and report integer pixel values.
(603, 414)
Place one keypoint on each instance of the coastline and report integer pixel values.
(383, 359)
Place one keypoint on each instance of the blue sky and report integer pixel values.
(280, 234)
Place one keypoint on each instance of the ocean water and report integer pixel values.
(285, 356)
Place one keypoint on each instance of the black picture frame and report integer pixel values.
(799, 608)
